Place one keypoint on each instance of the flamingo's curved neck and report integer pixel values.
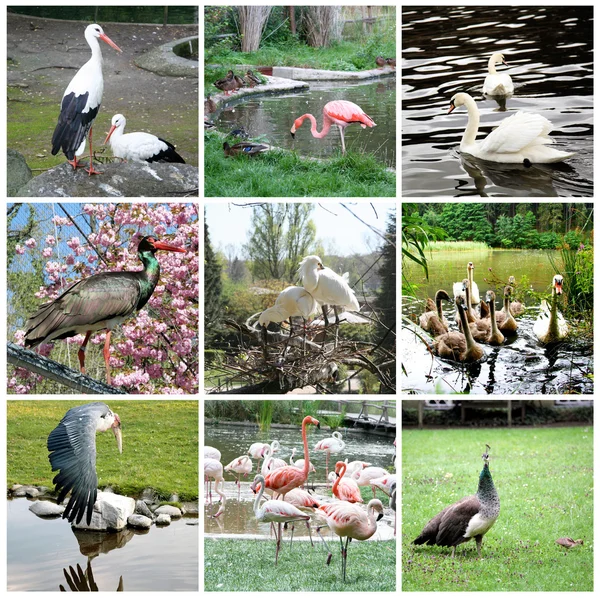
(256, 506)
(305, 441)
(339, 479)
(313, 125)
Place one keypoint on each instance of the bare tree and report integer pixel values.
(253, 20)
(323, 25)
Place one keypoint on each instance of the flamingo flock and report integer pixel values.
(282, 499)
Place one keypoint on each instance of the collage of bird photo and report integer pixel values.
(206, 283)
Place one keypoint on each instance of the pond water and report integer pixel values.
(163, 558)
(270, 117)
(234, 441)
(446, 50)
(521, 365)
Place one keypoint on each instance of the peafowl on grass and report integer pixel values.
(470, 517)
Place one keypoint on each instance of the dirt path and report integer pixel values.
(43, 59)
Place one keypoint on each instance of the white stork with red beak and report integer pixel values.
(81, 102)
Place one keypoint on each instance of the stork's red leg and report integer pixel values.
(107, 356)
(81, 352)
(74, 163)
(91, 169)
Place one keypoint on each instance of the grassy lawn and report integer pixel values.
(160, 446)
(544, 478)
(371, 566)
(285, 174)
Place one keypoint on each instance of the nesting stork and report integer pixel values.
(143, 147)
(72, 446)
(81, 102)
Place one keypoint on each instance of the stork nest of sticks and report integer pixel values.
(291, 361)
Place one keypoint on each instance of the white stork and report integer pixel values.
(143, 147)
(81, 102)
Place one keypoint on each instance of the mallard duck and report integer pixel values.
(227, 84)
(252, 79)
(241, 133)
(246, 147)
(208, 125)
(380, 61)
(391, 62)
(209, 105)
(239, 82)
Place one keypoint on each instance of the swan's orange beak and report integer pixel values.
(558, 286)
(452, 107)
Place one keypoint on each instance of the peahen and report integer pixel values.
(471, 517)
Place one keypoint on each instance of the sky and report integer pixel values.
(339, 232)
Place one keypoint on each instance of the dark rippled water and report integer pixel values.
(446, 50)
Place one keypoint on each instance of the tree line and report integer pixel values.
(516, 225)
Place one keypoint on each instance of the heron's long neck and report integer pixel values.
(149, 277)
(473, 123)
(313, 125)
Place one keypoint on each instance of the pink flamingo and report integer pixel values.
(271, 463)
(384, 483)
(257, 450)
(363, 477)
(214, 469)
(210, 453)
(275, 511)
(240, 465)
(345, 488)
(339, 112)
(355, 466)
(350, 521)
(282, 480)
(332, 445)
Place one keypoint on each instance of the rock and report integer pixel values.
(174, 498)
(45, 508)
(149, 496)
(168, 510)
(31, 491)
(164, 61)
(141, 508)
(139, 521)
(163, 519)
(18, 174)
(190, 508)
(111, 511)
(119, 179)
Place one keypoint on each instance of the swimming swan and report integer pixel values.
(457, 287)
(432, 319)
(497, 84)
(550, 325)
(520, 138)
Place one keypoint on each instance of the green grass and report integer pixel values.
(286, 174)
(456, 246)
(544, 478)
(160, 446)
(371, 566)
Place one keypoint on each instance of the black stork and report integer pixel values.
(72, 446)
(100, 302)
(81, 102)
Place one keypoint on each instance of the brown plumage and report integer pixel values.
(227, 84)
(506, 322)
(457, 346)
(470, 517)
(239, 82)
(210, 105)
(391, 62)
(380, 61)
(568, 542)
(431, 315)
(486, 330)
(471, 315)
(252, 79)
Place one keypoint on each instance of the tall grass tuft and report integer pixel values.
(265, 416)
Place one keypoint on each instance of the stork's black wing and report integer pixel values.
(72, 446)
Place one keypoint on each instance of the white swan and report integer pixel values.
(550, 325)
(520, 138)
(458, 288)
(497, 84)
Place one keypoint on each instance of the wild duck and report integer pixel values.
(252, 79)
(246, 147)
(210, 105)
(380, 62)
(227, 84)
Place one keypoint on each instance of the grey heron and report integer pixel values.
(72, 446)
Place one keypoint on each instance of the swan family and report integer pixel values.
(522, 138)
(489, 326)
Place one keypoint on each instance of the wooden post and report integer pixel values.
(293, 19)
(509, 413)
(421, 404)
(165, 15)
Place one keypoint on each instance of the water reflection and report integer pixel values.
(270, 117)
(78, 581)
(38, 550)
